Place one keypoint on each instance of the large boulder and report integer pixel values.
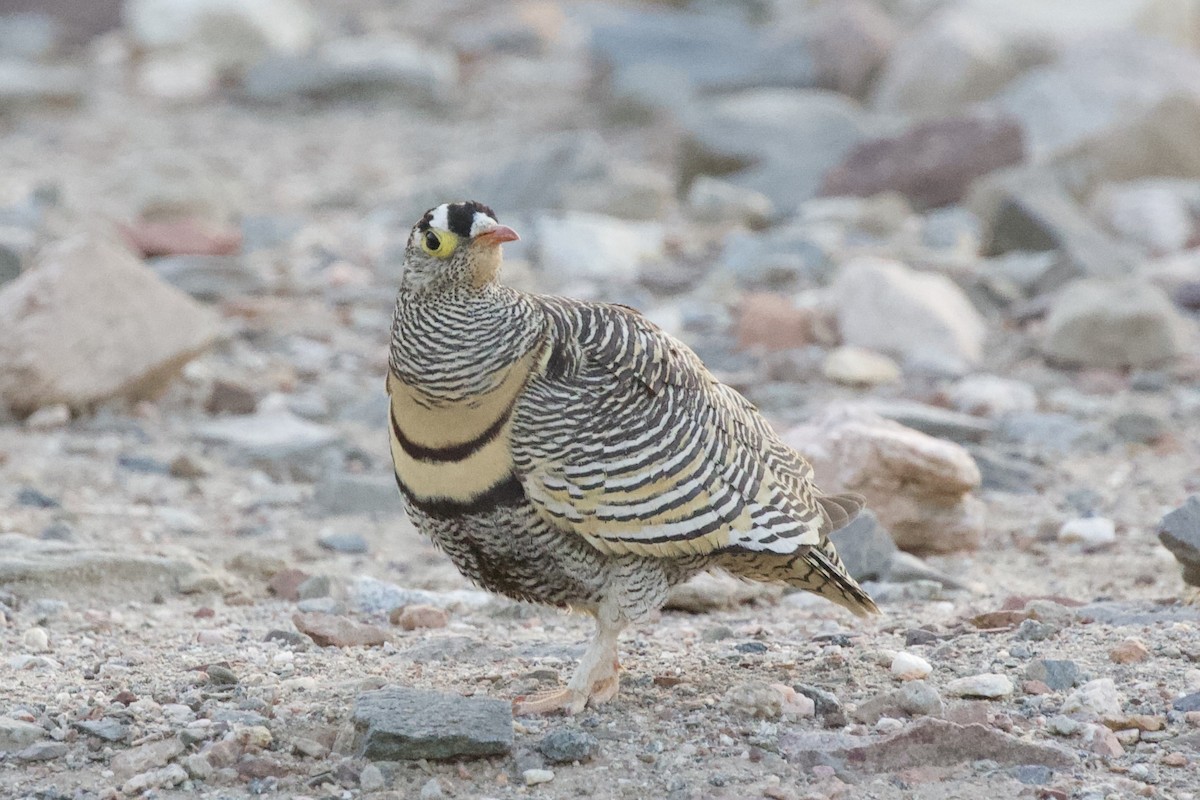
(919, 487)
(89, 323)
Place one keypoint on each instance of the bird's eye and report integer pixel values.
(432, 242)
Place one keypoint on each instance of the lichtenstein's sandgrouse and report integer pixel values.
(573, 454)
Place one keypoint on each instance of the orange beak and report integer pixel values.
(497, 235)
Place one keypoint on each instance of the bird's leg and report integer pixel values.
(595, 680)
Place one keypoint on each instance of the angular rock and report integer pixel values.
(72, 337)
(330, 630)
(920, 699)
(883, 305)
(1179, 532)
(919, 487)
(17, 734)
(402, 724)
(564, 746)
(926, 742)
(934, 420)
(42, 751)
(750, 139)
(128, 763)
(107, 729)
(1157, 214)
(988, 685)
(1113, 324)
(209, 278)
(1098, 698)
(932, 164)
(274, 440)
(865, 547)
(1059, 675)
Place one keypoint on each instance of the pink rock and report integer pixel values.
(181, 237)
(330, 630)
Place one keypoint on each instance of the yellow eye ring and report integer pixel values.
(438, 244)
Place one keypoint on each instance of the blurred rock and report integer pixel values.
(30, 35)
(883, 305)
(849, 41)
(1093, 533)
(233, 34)
(181, 237)
(577, 246)
(128, 763)
(410, 724)
(1096, 85)
(227, 397)
(948, 62)
(858, 366)
(1098, 698)
(717, 592)
(25, 85)
(1160, 215)
(343, 542)
(1179, 532)
(932, 164)
(352, 493)
(772, 322)
(750, 138)
(564, 746)
(180, 76)
(992, 396)
(780, 259)
(419, 617)
(865, 546)
(209, 278)
(628, 191)
(1058, 674)
(919, 487)
(274, 440)
(541, 177)
(16, 735)
(1125, 323)
(909, 667)
(330, 630)
(935, 421)
(714, 200)
(372, 596)
(74, 337)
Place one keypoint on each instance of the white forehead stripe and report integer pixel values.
(481, 222)
(441, 217)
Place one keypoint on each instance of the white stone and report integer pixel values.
(432, 790)
(234, 33)
(1112, 324)
(883, 305)
(990, 685)
(1093, 533)
(1098, 698)
(1157, 213)
(592, 247)
(714, 200)
(910, 667)
(36, 640)
(533, 777)
(371, 779)
(72, 336)
(858, 366)
(992, 396)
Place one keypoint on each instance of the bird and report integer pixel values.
(573, 454)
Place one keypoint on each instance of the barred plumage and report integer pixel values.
(574, 454)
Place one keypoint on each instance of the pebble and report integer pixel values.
(1187, 703)
(36, 640)
(1098, 698)
(329, 630)
(343, 542)
(858, 366)
(1059, 675)
(221, 676)
(564, 746)
(128, 763)
(1101, 741)
(1130, 651)
(432, 790)
(988, 685)
(42, 751)
(411, 724)
(533, 777)
(1179, 532)
(414, 617)
(920, 699)
(371, 779)
(910, 667)
(1062, 725)
(1094, 533)
(107, 729)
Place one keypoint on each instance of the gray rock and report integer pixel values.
(935, 421)
(274, 440)
(17, 734)
(1098, 698)
(779, 260)
(1119, 614)
(371, 779)
(35, 498)
(883, 305)
(42, 751)
(1189, 702)
(33, 568)
(209, 278)
(402, 724)
(32, 36)
(27, 84)
(850, 41)
(1139, 427)
(1033, 774)
(932, 164)
(343, 542)
(1157, 214)
(714, 200)
(1113, 324)
(542, 177)
(128, 763)
(1179, 532)
(314, 587)
(564, 746)
(920, 699)
(865, 546)
(1032, 630)
(372, 596)
(826, 704)
(107, 729)
(579, 246)
(71, 337)
(1005, 473)
(927, 742)
(1047, 432)
(752, 136)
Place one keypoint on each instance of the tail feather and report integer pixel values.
(814, 569)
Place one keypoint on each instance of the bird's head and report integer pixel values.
(455, 245)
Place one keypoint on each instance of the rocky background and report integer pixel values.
(950, 247)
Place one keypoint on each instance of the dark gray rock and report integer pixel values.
(107, 729)
(42, 751)
(1033, 774)
(1120, 614)
(352, 493)
(939, 422)
(1051, 432)
(1005, 473)
(402, 724)
(35, 498)
(1179, 532)
(564, 746)
(920, 699)
(865, 546)
(826, 704)
(1139, 427)
(778, 260)
(1189, 702)
(1059, 674)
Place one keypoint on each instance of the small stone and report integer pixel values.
(411, 618)
(410, 724)
(1058, 674)
(432, 790)
(107, 729)
(371, 779)
(1130, 651)
(1032, 630)
(920, 699)
(988, 685)
(992, 396)
(1101, 741)
(866, 548)
(1098, 698)
(565, 746)
(1175, 760)
(309, 748)
(143, 758)
(227, 397)
(714, 200)
(1094, 533)
(35, 498)
(313, 588)
(1033, 774)
(181, 237)
(1187, 703)
(49, 417)
(910, 667)
(42, 751)
(772, 322)
(1139, 427)
(329, 630)
(221, 676)
(17, 734)
(533, 777)
(36, 640)
(343, 542)
(352, 493)
(1062, 725)
(1179, 532)
(198, 766)
(578, 246)
(285, 584)
(858, 366)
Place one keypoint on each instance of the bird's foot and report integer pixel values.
(604, 685)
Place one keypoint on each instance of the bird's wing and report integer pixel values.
(625, 438)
